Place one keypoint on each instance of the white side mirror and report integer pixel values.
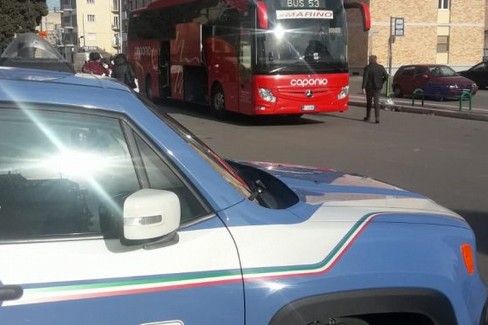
(150, 214)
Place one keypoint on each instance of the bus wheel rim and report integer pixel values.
(219, 101)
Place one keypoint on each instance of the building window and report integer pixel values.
(442, 44)
(116, 22)
(67, 21)
(116, 40)
(90, 18)
(443, 4)
(66, 4)
(90, 1)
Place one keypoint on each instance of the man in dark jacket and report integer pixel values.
(122, 70)
(374, 77)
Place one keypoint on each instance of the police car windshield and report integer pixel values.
(218, 163)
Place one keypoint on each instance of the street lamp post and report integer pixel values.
(119, 50)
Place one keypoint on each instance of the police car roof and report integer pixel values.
(46, 86)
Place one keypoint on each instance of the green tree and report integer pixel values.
(19, 16)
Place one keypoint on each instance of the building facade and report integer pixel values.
(51, 25)
(453, 32)
(448, 32)
(485, 49)
(88, 25)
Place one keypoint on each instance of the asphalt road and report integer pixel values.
(442, 158)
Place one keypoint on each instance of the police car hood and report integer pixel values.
(327, 189)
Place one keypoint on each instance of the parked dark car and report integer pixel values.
(478, 73)
(437, 81)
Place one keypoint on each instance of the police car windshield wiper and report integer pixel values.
(258, 188)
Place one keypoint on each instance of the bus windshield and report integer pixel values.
(299, 42)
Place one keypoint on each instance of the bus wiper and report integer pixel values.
(335, 66)
(277, 69)
(329, 64)
(258, 189)
(299, 62)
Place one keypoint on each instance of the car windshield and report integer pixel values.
(303, 45)
(442, 71)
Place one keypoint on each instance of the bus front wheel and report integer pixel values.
(218, 102)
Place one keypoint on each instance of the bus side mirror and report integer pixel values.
(364, 9)
(262, 9)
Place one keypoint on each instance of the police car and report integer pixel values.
(113, 213)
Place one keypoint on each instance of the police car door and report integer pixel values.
(66, 181)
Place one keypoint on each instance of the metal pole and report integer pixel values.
(390, 57)
(390, 46)
(119, 50)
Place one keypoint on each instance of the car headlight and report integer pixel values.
(453, 86)
(343, 93)
(267, 95)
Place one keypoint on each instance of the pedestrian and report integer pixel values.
(94, 65)
(122, 70)
(374, 77)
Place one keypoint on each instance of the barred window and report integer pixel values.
(443, 4)
(442, 44)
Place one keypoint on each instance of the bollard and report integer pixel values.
(416, 92)
(465, 94)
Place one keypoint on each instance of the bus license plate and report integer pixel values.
(308, 108)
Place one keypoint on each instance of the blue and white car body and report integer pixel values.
(307, 246)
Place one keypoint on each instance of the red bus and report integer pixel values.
(254, 57)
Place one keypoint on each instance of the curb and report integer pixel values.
(427, 111)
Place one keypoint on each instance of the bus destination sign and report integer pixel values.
(302, 4)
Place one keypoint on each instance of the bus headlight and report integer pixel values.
(344, 92)
(267, 95)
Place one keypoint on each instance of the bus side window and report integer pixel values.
(227, 26)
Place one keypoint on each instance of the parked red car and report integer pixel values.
(437, 81)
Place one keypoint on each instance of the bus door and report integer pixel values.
(164, 64)
(222, 56)
(245, 70)
(188, 76)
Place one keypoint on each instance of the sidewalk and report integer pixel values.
(356, 98)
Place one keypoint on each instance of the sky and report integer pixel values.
(52, 3)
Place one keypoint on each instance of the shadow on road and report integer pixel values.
(202, 111)
(346, 117)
